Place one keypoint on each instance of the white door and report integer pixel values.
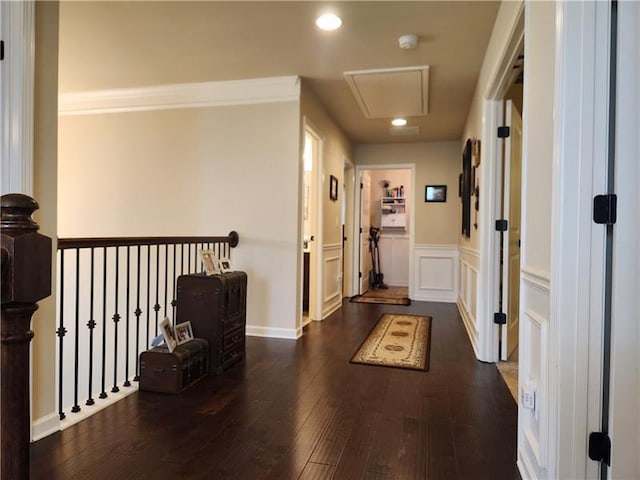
(365, 223)
(311, 228)
(511, 247)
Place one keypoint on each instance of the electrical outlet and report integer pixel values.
(528, 396)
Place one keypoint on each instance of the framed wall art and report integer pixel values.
(333, 188)
(435, 193)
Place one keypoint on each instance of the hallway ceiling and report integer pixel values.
(106, 45)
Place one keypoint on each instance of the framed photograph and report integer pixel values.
(183, 332)
(225, 265)
(435, 193)
(333, 188)
(168, 334)
(210, 262)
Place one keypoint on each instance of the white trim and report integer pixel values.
(358, 215)
(17, 96)
(473, 253)
(100, 404)
(536, 278)
(185, 95)
(435, 293)
(273, 332)
(577, 245)
(491, 173)
(45, 426)
(469, 324)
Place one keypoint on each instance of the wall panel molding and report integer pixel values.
(332, 276)
(436, 273)
(184, 95)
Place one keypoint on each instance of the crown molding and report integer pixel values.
(184, 95)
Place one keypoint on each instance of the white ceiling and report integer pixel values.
(106, 45)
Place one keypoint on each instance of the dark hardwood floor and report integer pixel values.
(300, 410)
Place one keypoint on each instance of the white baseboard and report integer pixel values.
(332, 307)
(272, 332)
(469, 325)
(45, 426)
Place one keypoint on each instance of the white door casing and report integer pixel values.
(365, 223)
(511, 213)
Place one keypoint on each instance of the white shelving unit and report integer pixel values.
(393, 213)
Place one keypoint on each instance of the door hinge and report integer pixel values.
(600, 447)
(359, 274)
(605, 209)
(1, 49)
(361, 185)
(500, 318)
(502, 225)
(360, 229)
(504, 132)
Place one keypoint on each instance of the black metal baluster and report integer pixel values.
(61, 332)
(175, 283)
(189, 258)
(148, 292)
(103, 393)
(138, 312)
(156, 307)
(127, 383)
(166, 276)
(76, 407)
(91, 324)
(116, 320)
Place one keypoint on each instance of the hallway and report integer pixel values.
(301, 410)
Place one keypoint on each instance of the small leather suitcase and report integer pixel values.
(171, 372)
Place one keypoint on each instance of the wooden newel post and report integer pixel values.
(26, 278)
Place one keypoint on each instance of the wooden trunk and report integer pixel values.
(216, 307)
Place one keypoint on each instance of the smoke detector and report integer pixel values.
(407, 42)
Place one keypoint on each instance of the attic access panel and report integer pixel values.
(386, 93)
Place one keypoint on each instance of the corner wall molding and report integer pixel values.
(184, 95)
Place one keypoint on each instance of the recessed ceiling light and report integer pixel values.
(399, 122)
(328, 21)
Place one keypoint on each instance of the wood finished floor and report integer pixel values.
(300, 410)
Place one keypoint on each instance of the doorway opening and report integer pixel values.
(311, 226)
(384, 213)
(511, 207)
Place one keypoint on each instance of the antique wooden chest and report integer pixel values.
(171, 372)
(216, 307)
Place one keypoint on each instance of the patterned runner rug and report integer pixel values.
(397, 340)
(382, 300)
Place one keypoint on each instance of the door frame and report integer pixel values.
(491, 208)
(355, 284)
(349, 180)
(315, 264)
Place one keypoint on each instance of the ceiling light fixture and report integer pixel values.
(399, 122)
(328, 22)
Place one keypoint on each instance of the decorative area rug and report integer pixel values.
(382, 300)
(397, 340)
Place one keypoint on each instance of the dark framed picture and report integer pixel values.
(435, 193)
(333, 188)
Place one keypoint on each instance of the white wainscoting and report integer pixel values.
(273, 332)
(435, 273)
(469, 261)
(394, 259)
(332, 275)
(533, 368)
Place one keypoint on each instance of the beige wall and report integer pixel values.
(336, 148)
(199, 171)
(437, 163)
(45, 192)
